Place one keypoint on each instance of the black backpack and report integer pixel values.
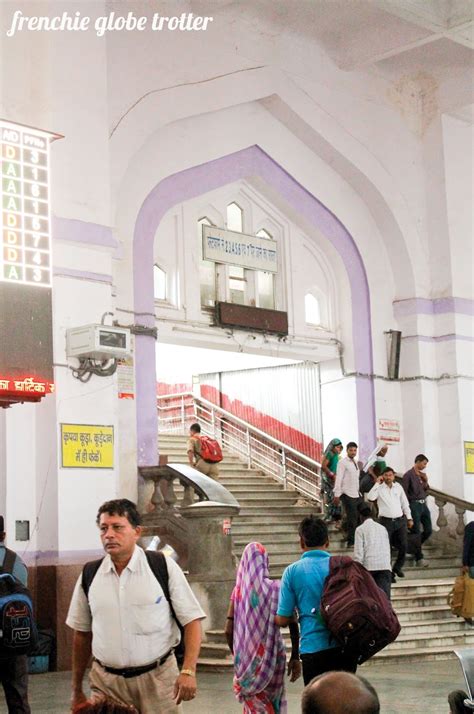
(366, 482)
(157, 563)
(18, 633)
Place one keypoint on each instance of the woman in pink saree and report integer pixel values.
(256, 642)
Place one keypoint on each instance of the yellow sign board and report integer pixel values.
(87, 446)
(469, 457)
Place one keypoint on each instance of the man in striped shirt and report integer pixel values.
(372, 549)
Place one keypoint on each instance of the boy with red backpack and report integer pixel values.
(204, 453)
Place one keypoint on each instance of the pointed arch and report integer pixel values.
(195, 181)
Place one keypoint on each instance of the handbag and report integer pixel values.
(468, 599)
(461, 597)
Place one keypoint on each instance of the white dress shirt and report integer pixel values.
(347, 478)
(372, 546)
(391, 501)
(129, 615)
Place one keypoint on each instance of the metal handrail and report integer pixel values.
(259, 432)
(246, 425)
(258, 448)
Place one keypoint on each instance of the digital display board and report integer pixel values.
(25, 255)
(26, 332)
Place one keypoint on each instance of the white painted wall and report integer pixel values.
(136, 110)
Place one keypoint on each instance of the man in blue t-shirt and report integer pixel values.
(301, 588)
(14, 670)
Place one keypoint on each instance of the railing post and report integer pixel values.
(249, 448)
(213, 422)
(182, 412)
(283, 468)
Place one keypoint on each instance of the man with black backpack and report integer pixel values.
(13, 668)
(126, 610)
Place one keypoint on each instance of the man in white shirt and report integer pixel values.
(346, 489)
(125, 621)
(394, 515)
(372, 549)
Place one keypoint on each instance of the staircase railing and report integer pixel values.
(450, 523)
(259, 450)
(177, 411)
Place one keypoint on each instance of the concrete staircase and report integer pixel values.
(270, 515)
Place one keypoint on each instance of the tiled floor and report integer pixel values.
(418, 689)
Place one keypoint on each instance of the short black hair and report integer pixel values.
(364, 509)
(421, 457)
(313, 531)
(195, 427)
(351, 443)
(388, 468)
(120, 507)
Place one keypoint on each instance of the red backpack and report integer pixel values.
(210, 450)
(356, 611)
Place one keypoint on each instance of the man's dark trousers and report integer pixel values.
(14, 679)
(351, 516)
(326, 661)
(383, 578)
(397, 534)
(421, 516)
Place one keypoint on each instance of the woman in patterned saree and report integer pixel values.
(255, 640)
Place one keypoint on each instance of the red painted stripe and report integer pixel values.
(283, 432)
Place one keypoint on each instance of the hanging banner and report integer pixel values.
(87, 446)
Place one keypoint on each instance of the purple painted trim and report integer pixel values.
(71, 229)
(439, 338)
(195, 181)
(82, 275)
(437, 306)
(64, 557)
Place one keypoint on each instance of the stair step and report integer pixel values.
(297, 511)
(270, 514)
(206, 664)
(453, 638)
(214, 650)
(420, 654)
(272, 548)
(244, 529)
(422, 614)
(263, 488)
(216, 636)
(264, 497)
(274, 541)
(433, 627)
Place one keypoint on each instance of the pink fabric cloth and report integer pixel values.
(259, 651)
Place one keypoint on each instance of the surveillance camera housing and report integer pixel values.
(98, 342)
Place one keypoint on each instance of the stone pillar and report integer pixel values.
(210, 561)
